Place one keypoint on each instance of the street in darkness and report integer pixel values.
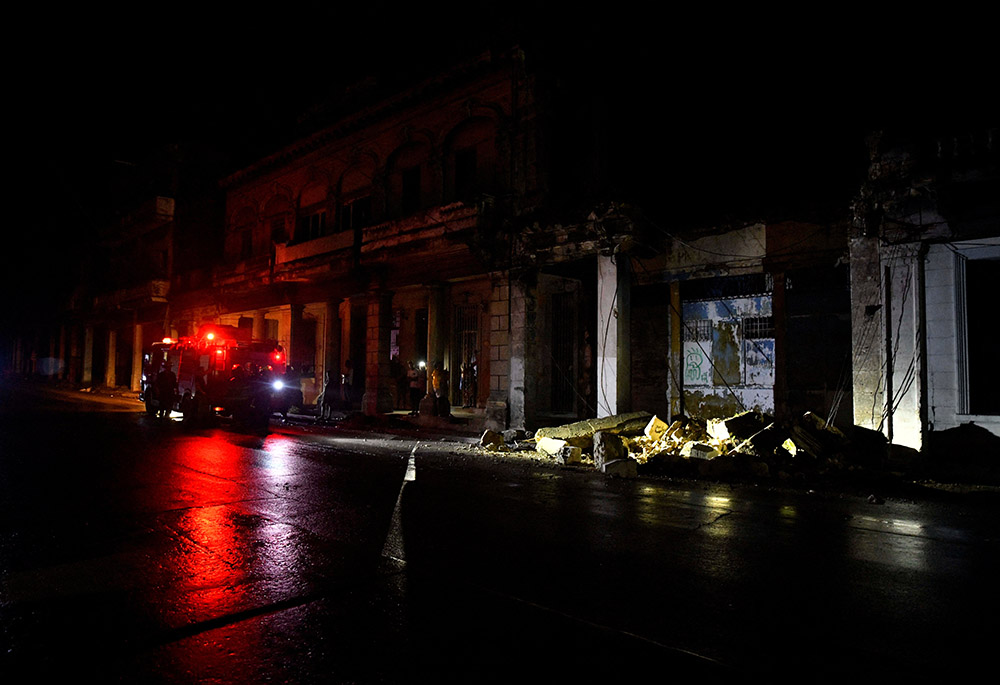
(138, 550)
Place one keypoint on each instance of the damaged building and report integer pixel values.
(924, 249)
(477, 220)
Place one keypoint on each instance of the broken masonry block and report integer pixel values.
(607, 447)
(742, 426)
(717, 430)
(698, 450)
(621, 468)
(655, 428)
(621, 424)
(569, 455)
(491, 438)
(513, 435)
(675, 428)
(549, 446)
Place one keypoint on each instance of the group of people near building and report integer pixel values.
(409, 388)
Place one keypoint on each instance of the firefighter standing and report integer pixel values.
(166, 389)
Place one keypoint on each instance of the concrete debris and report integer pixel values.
(716, 429)
(621, 468)
(655, 428)
(549, 446)
(569, 455)
(513, 435)
(753, 445)
(748, 445)
(608, 447)
(619, 424)
(698, 450)
(491, 439)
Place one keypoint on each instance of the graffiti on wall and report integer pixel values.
(697, 367)
(728, 354)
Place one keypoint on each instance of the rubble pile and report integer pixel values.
(747, 445)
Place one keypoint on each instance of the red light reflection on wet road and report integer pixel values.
(231, 556)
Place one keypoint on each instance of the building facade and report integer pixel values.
(925, 251)
(465, 223)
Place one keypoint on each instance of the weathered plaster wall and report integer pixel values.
(726, 372)
(945, 307)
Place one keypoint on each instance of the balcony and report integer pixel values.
(286, 253)
(253, 271)
(151, 214)
(433, 223)
(146, 293)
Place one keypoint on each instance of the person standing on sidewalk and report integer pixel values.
(166, 389)
(413, 376)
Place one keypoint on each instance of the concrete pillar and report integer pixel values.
(296, 355)
(435, 342)
(331, 357)
(866, 331)
(523, 357)
(74, 354)
(498, 363)
(63, 366)
(259, 325)
(378, 393)
(52, 366)
(614, 361)
(109, 372)
(19, 361)
(904, 384)
(676, 352)
(779, 313)
(352, 340)
(435, 328)
(136, 383)
(87, 370)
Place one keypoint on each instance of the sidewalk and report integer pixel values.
(965, 471)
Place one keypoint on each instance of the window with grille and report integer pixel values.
(410, 197)
(758, 327)
(698, 330)
(311, 226)
(356, 214)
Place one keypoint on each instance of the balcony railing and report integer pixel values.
(128, 298)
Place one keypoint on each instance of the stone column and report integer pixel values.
(88, 356)
(109, 369)
(779, 313)
(614, 362)
(349, 338)
(378, 394)
(52, 366)
(63, 366)
(904, 341)
(259, 325)
(435, 342)
(523, 357)
(136, 383)
(866, 331)
(73, 371)
(676, 352)
(331, 356)
(498, 363)
(294, 353)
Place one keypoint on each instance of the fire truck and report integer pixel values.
(220, 371)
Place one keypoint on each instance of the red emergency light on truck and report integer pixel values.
(220, 370)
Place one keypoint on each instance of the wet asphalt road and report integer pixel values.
(138, 551)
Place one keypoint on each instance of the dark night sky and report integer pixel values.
(103, 86)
